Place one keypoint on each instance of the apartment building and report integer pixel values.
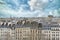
(44, 29)
(53, 34)
(7, 34)
(51, 31)
(4, 33)
(22, 33)
(34, 34)
(27, 32)
(19, 31)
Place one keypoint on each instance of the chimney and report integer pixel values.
(2, 24)
(6, 24)
(40, 25)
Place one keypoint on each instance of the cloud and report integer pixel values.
(55, 12)
(38, 4)
(21, 12)
(38, 8)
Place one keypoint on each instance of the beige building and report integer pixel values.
(31, 30)
(6, 34)
(22, 33)
(50, 35)
(27, 34)
(35, 34)
(13, 31)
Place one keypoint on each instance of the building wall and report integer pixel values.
(27, 34)
(53, 34)
(22, 33)
(34, 34)
(46, 35)
(7, 34)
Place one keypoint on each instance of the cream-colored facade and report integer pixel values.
(29, 30)
(27, 34)
(35, 34)
(22, 33)
(6, 34)
(53, 34)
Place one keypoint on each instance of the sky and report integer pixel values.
(29, 8)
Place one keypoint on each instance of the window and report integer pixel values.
(53, 34)
(53, 38)
(57, 29)
(57, 38)
(46, 31)
(57, 34)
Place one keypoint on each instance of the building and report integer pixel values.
(6, 32)
(51, 31)
(22, 33)
(44, 28)
(19, 31)
(27, 32)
